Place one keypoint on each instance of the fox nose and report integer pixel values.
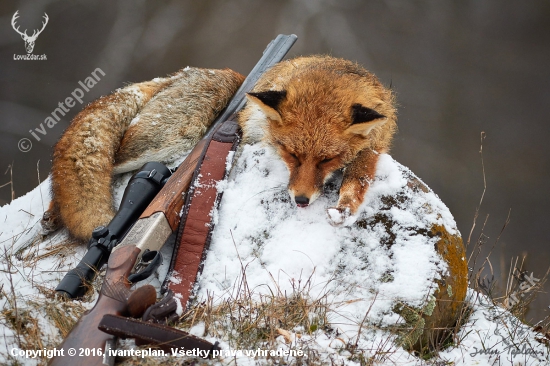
(301, 201)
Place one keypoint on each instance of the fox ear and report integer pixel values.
(270, 98)
(361, 114)
(364, 119)
(268, 101)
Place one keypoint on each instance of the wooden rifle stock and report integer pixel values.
(170, 199)
(85, 338)
(85, 344)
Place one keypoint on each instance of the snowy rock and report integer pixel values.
(400, 266)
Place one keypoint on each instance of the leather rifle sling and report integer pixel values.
(193, 238)
(146, 333)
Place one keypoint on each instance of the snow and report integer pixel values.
(279, 243)
(493, 336)
(135, 121)
(261, 234)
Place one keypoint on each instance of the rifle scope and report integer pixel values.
(140, 191)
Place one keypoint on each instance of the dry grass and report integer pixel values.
(249, 324)
(483, 279)
(10, 182)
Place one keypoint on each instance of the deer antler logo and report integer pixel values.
(29, 40)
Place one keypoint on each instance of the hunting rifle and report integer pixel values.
(86, 344)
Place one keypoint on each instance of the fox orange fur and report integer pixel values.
(150, 121)
(323, 114)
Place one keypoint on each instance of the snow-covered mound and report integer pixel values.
(379, 277)
(384, 263)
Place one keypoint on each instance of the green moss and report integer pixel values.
(410, 332)
(428, 309)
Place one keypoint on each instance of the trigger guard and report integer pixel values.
(147, 271)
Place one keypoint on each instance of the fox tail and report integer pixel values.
(117, 132)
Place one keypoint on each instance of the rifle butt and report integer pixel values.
(85, 344)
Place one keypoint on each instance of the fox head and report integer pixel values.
(320, 118)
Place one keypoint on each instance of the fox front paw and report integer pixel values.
(341, 216)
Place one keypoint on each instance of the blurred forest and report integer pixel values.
(459, 68)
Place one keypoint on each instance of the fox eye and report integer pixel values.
(327, 160)
(285, 151)
(295, 158)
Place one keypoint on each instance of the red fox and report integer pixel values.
(321, 114)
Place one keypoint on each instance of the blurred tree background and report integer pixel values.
(458, 68)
